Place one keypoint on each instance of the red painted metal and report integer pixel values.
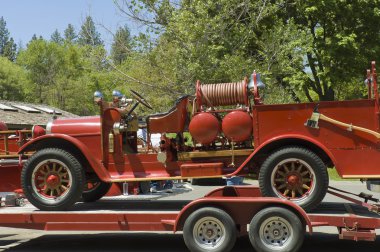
(204, 128)
(240, 202)
(3, 126)
(237, 126)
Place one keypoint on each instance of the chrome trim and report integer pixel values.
(48, 126)
(33, 131)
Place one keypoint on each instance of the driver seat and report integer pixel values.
(172, 121)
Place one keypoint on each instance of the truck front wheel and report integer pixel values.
(52, 179)
(209, 229)
(296, 174)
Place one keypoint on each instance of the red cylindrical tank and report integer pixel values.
(237, 126)
(204, 128)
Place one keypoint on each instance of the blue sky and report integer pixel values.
(25, 18)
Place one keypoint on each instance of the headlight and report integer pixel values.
(37, 131)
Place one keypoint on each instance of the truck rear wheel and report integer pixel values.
(209, 229)
(52, 179)
(296, 174)
(276, 229)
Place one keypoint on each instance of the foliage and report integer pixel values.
(12, 80)
(88, 35)
(56, 37)
(69, 34)
(305, 50)
(8, 47)
(312, 50)
(121, 46)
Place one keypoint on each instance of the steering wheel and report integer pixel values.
(140, 99)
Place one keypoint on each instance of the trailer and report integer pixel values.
(213, 222)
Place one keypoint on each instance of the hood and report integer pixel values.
(72, 126)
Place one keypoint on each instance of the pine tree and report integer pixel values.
(34, 37)
(121, 45)
(8, 47)
(10, 50)
(4, 35)
(88, 34)
(56, 37)
(70, 35)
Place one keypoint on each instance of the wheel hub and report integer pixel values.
(275, 232)
(209, 232)
(52, 180)
(293, 180)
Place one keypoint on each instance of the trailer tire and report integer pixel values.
(97, 190)
(209, 229)
(52, 179)
(276, 229)
(294, 173)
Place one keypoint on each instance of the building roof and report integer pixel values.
(19, 115)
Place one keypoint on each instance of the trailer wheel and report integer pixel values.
(94, 189)
(276, 229)
(209, 229)
(52, 179)
(296, 174)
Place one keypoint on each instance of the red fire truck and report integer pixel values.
(289, 146)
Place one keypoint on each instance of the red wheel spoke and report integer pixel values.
(281, 186)
(51, 179)
(305, 187)
(304, 173)
(292, 179)
(286, 168)
(286, 192)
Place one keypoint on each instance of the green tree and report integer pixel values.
(10, 50)
(342, 39)
(88, 35)
(56, 37)
(312, 50)
(69, 34)
(13, 80)
(4, 35)
(43, 60)
(8, 47)
(121, 46)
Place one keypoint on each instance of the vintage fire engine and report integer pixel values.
(232, 132)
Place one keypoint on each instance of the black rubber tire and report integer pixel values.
(225, 219)
(144, 187)
(296, 232)
(96, 192)
(77, 183)
(316, 164)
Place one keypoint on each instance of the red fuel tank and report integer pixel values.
(204, 128)
(237, 126)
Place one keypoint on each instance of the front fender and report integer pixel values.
(96, 164)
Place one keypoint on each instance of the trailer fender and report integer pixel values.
(284, 140)
(241, 209)
(45, 141)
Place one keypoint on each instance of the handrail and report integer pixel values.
(20, 136)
